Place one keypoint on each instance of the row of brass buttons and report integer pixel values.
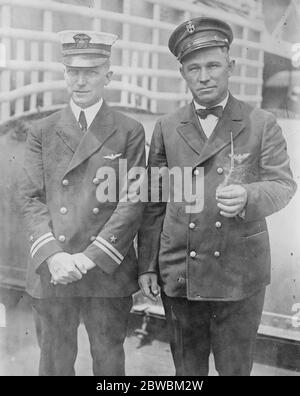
(218, 224)
(62, 238)
(66, 182)
(193, 254)
(219, 171)
(63, 210)
(192, 226)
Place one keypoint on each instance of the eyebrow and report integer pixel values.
(206, 63)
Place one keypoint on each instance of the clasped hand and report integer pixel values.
(231, 200)
(67, 268)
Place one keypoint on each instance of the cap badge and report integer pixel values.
(82, 40)
(190, 27)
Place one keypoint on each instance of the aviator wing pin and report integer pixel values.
(113, 156)
(239, 158)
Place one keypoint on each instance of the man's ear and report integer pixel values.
(182, 71)
(108, 77)
(231, 67)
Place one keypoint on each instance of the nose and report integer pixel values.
(204, 75)
(81, 80)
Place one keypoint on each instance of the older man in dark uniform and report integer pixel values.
(213, 263)
(81, 226)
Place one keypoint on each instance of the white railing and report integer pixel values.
(146, 75)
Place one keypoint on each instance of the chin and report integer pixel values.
(206, 101)
(81, 102)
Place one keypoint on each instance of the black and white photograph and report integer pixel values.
(149, 190)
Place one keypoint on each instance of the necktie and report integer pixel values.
(217, 111)
(82, 121)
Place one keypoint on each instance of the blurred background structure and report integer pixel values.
(147, 83)
(146, 75)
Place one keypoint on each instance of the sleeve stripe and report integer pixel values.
(99, 245)
(42, 243)
(40, 239)
(110, 247)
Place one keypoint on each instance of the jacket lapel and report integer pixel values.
(231, 122)
(68, 129)
(100, 130)
(190, 130)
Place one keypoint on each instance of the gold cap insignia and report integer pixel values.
(190, 27)
(82, 40)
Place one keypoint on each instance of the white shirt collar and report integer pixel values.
(223, 103)
(89, 112)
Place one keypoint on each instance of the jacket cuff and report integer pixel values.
(104, 254)
(42, 248)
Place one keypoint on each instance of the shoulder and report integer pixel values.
(175, 117)
(123, 121)
(49, 121)
(255, 114)
(168, 123)
(41, 126)
(260, 123)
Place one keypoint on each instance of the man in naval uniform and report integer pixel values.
(213, 264)
(82, 258)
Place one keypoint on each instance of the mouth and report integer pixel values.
(206, 89)
(81, 92)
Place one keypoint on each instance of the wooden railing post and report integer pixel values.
(34, 75)
(20, 80)
(145, 80)
(97, 21)
(47, 55)
(154, 57)
(125, 52)
(5, 75)
(134, 78)
(260, 76)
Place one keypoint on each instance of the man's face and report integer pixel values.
(206, 73)
(86, 84)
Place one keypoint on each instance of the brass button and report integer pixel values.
(61, 238)
(217, 254)
(96, 210)
(181, 280)
(92, 238)
(65, 182)
(196, 172)
(96, 181)
(192, 226)
(218, 224)
(193, 254)
(63, 210)
(220, 171)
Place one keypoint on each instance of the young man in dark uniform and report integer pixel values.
(82, 259)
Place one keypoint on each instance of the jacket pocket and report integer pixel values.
(254, 236)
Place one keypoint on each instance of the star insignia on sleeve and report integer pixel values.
(113, 239)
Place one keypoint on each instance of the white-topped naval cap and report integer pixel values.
(86, 48)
